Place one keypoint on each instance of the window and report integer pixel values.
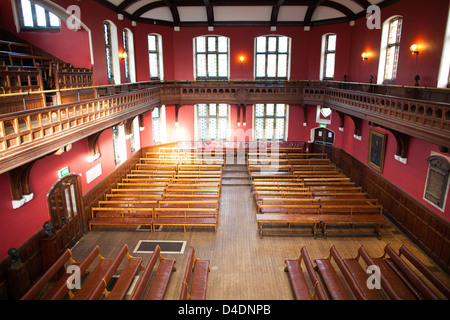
(272, 57)
(109, 52)
(135, 138)
(120, 146)
(156, 125)
(270, 121)
(155, 56)
(212, 121)
(211, 57)
(35, 17)
(328, 56)
(126, 54)
(390, 46)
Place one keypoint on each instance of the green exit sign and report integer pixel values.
(322, 125)
(63, 172)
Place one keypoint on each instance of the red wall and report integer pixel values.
(423, 23)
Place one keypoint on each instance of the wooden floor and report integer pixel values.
(243, 265)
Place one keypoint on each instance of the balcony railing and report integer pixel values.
(29, 134)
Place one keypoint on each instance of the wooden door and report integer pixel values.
(323, 140)
(66, 210)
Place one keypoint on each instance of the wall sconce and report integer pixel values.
(242, 59)
(414, 49)
(123, 55)
(365, 56)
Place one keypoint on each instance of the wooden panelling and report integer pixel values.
(430, 231)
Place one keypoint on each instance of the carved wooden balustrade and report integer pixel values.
(407, 111)
(28, 135)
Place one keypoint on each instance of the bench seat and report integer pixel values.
(199, 280)
(207, 222)
(376, 219)
(331, 279)
(276, 218)
(159, 285)
(298, 280)
(118, 221)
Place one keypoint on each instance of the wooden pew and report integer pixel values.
(188, 204)
(160, 282)
(355, 277)
(309, 206)
(438, 283)
(50, 273)
(331, 279)
(413, 281)
(287, 219)
(103, 274)
(298, 281)
(352, 214)
(195, 279)
(391, 283)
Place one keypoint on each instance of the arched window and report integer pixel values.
(270, 121)
(212, 121)
(444, 69)
(272, 56)
(128, 50)
(112, 51)
(155, 56)
(35, 17)
(328, 56)
(211, 56)
(390, 46)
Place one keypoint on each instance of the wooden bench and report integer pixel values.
(195, 279)
(119, 221)
(188, 204)
(438, 283)
(413, 281)
(291, 208)
(287, 219)
(262, 194)
(122, 212)
(391, 283)
(90, 288)
(298, 281)
(331, 279)
(49, 274)
(352, 214)
(355, 277)
(160, 281)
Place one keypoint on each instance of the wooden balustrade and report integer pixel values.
(426, 119)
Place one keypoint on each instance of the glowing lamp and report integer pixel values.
(241, 59)
(414, 49)
(123, 55)
(365, 56)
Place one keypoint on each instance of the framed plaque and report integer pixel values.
(436, 187)
(377, 148)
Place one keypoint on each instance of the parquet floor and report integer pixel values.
(243, 265)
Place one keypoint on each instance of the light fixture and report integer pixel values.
(414, 49)
(365, 56)
(123, 55)
(241, 59)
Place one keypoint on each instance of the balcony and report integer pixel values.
(30, 134)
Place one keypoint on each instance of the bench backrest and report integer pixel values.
(146, 274)
(187, 275)
(425, 271)
(312, 275)
(427, 293)
(47, 276)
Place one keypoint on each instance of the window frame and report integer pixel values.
(158, 53)
(36, 27)
(107, 35)
(326, 53)
(207, 54)
(274, 117)
(389, 46)
(208, 117)
(268, 52)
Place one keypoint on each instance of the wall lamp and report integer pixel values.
(241, 59)
(365, 56)
(123, 55)
(414, 49)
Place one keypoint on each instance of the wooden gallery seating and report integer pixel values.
(94, 284)
(178, 188)
(316, 194)
(348, 279)
(195, 278)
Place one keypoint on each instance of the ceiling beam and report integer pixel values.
(209, 12)
(174, 11)
(139, 12)
(275, 11)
